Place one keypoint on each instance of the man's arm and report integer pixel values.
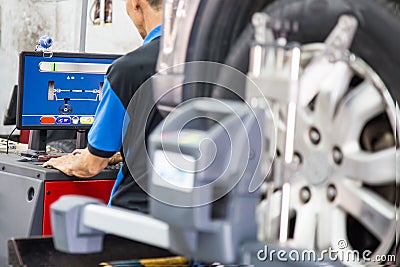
(80, 163)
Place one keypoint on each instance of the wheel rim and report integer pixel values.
(346, 175)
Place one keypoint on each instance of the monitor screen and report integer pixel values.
(61, 91)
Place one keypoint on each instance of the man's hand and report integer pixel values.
(117, 158)
(81, 163)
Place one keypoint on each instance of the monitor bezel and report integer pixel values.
(20, 91)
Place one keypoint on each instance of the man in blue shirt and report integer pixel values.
(105, 138)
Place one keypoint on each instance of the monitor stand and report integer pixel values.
(37, 144)
(81, 139)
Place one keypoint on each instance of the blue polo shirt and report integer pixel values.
(123, 79)
(153, 34)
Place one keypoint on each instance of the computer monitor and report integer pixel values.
(60, 91)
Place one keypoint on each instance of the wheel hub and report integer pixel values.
(317, 168)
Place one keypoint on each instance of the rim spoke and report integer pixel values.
(332, 90)
(360, 105)
(324, 228)
(376, 168)
(268, 214)
(371, 210)
(338, 231)
(310, 82)
(305, 226)
(340, 240)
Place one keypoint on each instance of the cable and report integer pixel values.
(8, 139)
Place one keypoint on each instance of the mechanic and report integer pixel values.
(124, 78)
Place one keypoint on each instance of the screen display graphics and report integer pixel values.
(61, 91)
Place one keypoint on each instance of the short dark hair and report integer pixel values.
(156, 4)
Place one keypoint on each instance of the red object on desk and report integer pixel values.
(100, 189)
(24, 136)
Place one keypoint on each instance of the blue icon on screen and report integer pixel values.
(63, 120)
(65, 109)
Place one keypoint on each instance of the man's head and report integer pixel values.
(145, 14)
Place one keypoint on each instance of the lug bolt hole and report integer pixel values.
(337, 155)
(331, 193)
(305, 195)
(297, 159)
(315, 136)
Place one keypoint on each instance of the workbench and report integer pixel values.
(27, 190)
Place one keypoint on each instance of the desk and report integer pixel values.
(28, 189)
